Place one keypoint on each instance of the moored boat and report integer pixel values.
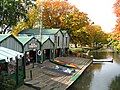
(102, 60)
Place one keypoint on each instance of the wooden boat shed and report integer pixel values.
(66, 41)
(47, 47)
(9, 41)
(55, 35)
(31, 46)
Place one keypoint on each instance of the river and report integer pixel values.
(100, 76)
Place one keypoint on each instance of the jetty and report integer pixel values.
(46, 77)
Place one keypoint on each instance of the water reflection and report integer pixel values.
(82, 83)
(100, 76)
(115, 84)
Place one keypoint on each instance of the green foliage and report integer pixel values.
(114, 41)
(76, 50)
(6, 83)
(11, 11)
(33, 15)
(97, 36)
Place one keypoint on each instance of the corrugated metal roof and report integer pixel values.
(64, 31)
(49, 31)
(44, 38)
(24, 39)
(37, 31)
(4, 36)
(6, 54)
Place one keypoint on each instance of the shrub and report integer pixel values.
(6, 83)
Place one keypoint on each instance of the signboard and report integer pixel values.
(32, 45)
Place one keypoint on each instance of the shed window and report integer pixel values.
(58, 40)
(55, 39)
(66, 41)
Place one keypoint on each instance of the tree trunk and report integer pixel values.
(5, 29)
(75, 45)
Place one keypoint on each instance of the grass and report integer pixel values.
(79, 49)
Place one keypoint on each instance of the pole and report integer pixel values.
(40, 23)
(17, 71)
(31, 74)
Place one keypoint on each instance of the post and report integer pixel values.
(33, 59)
(30, 74)
(33, 64)
(16, 71)
(24, 65)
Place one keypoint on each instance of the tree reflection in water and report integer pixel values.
(81, 83)
(107, 73)
(115, 84)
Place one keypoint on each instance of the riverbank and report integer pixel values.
(46, 77)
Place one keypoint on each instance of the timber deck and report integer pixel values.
(45, 77)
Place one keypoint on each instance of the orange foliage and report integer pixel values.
(117, 12)
(53, 12)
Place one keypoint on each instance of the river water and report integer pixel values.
(100, 76)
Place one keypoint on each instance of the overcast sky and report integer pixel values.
(99, 11)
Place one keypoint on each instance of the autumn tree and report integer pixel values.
(55, 14)
(117, 12)
(63, 15)
(97, 36)
(114, 39)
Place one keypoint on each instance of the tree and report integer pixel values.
(115, 38)
(11, 11)
(63, 15)
(75, 22)
(97, 36)
(116, 7)
(55, 14)
(114, 41)
(32, 22)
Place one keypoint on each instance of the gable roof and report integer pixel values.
(45, 38)
(37, 31)
(50, 31)
(4, 36)
(24, 40)
(64, 31)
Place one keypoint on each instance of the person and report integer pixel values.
(27, 58)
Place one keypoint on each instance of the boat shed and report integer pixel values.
(66, 41)
(47, 47)
(30, 48)
(55, 35)
(9, 41)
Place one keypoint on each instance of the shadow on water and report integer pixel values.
(100, 76)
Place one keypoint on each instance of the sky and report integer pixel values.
(99, 11)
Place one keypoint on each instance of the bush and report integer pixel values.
(6, 83)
